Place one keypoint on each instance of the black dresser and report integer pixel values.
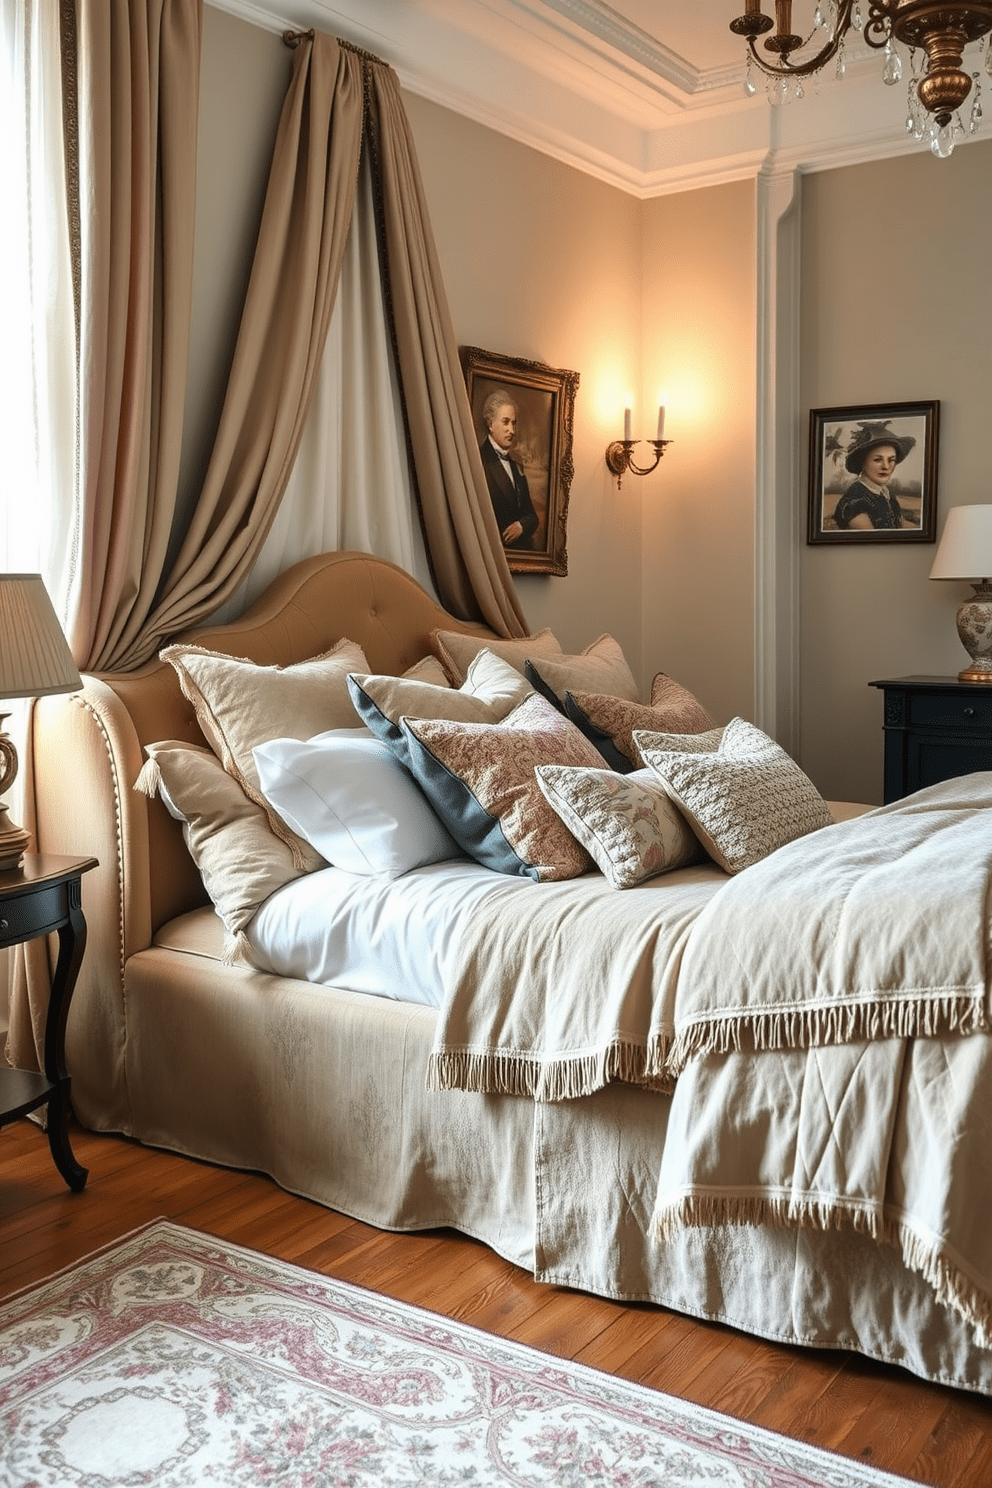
(935, 727)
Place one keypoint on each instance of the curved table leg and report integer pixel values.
(72, 943)
(59, 1107)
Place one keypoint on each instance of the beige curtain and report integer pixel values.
(463, 540)
(284, 324)
(138, 87)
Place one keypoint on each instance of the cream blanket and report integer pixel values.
(814, 1010)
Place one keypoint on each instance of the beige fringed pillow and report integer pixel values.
(601, 668)
(240, 860)
(628, 823)
(239, 704)
(742, 800)
(456, 650)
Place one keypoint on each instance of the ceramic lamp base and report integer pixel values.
(975, 631)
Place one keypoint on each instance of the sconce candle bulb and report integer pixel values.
(619, 453)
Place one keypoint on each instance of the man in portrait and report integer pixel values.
(508, 488)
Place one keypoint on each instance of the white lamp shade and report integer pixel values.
(34, 655)
(965, 547)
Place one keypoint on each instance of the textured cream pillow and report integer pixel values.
(428, 669)
(491, 690)
(611, 722)
(627, 823)
(480, 779)
(239, 704)
(601, 667)
(743, 800)
(456, 650)
(240, 860)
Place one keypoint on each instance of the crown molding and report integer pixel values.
(579, 82)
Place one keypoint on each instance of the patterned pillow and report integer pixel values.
(480, 779)
(456, 650)
(239, 704)
(601, 667)
(628, 823)
(491, 690)
(744, 799)
(240, 860)
(610, 722)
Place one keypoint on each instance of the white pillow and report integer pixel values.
(346, 794)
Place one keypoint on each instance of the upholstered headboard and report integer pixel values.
(89, 748)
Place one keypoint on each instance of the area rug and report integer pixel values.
(176, 1359)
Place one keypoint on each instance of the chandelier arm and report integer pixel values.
(829, 50)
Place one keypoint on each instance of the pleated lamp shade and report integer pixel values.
(34, 660)
(34, 655)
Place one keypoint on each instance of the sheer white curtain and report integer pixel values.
(37, 321)
(350, 486)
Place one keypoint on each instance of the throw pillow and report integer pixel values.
(456, 650)
(601, 667)
(744, 799)
(628, 823)
(240, 860)
(347, 795)
(480, 779)
(610, 722)
(492, 688)
(239, 704)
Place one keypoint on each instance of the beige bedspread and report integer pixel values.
(823, 1017)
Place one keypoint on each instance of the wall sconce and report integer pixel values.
(620, 452)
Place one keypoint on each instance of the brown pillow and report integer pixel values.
(611, 722)
(601, 667)
(480, 779)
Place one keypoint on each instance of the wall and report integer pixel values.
(699, 515)
(544, 263)
(894, 273)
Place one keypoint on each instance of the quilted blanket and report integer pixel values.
(823, 1019)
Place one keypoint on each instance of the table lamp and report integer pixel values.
(34, 660)
(965, 553)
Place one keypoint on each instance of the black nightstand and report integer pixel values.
(43, 895)
(935, 727)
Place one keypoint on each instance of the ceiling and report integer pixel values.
(644, 94)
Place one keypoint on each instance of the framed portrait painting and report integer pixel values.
(523, 414)
(873, 473)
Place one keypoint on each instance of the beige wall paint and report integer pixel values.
(895, 257)
(699, 514)
(542, 262)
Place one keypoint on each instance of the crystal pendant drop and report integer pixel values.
(841, 64)
(856, 20)
(988, 59)
(800, 90)
(749, 87)
(942, 140)
(892, 71)
(977, 112)
(818, 20)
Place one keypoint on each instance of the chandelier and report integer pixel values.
(935, 32)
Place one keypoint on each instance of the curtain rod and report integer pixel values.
(293, 39)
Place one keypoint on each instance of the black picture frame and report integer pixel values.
(544, 398)
(839, 438)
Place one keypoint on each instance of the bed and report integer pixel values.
(568, 1136)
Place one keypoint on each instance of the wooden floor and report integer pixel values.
(844, 1403)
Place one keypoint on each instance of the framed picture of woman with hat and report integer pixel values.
(873, 473)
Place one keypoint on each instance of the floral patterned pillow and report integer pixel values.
(630, 826)
(610, 722)
(480, 779)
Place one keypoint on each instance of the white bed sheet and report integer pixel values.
(388, 937)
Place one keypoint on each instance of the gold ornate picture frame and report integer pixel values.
(852, 501)
(535, 481)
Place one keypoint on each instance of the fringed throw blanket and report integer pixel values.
(826, 1014)
(560, 991)
(874, 927)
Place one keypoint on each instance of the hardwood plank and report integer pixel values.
(845, 1403)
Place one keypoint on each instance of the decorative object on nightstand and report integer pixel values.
(935, 728)
(965, 553)
(34, 660)
(41, 896)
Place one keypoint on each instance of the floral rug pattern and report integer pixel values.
(175, 1359)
